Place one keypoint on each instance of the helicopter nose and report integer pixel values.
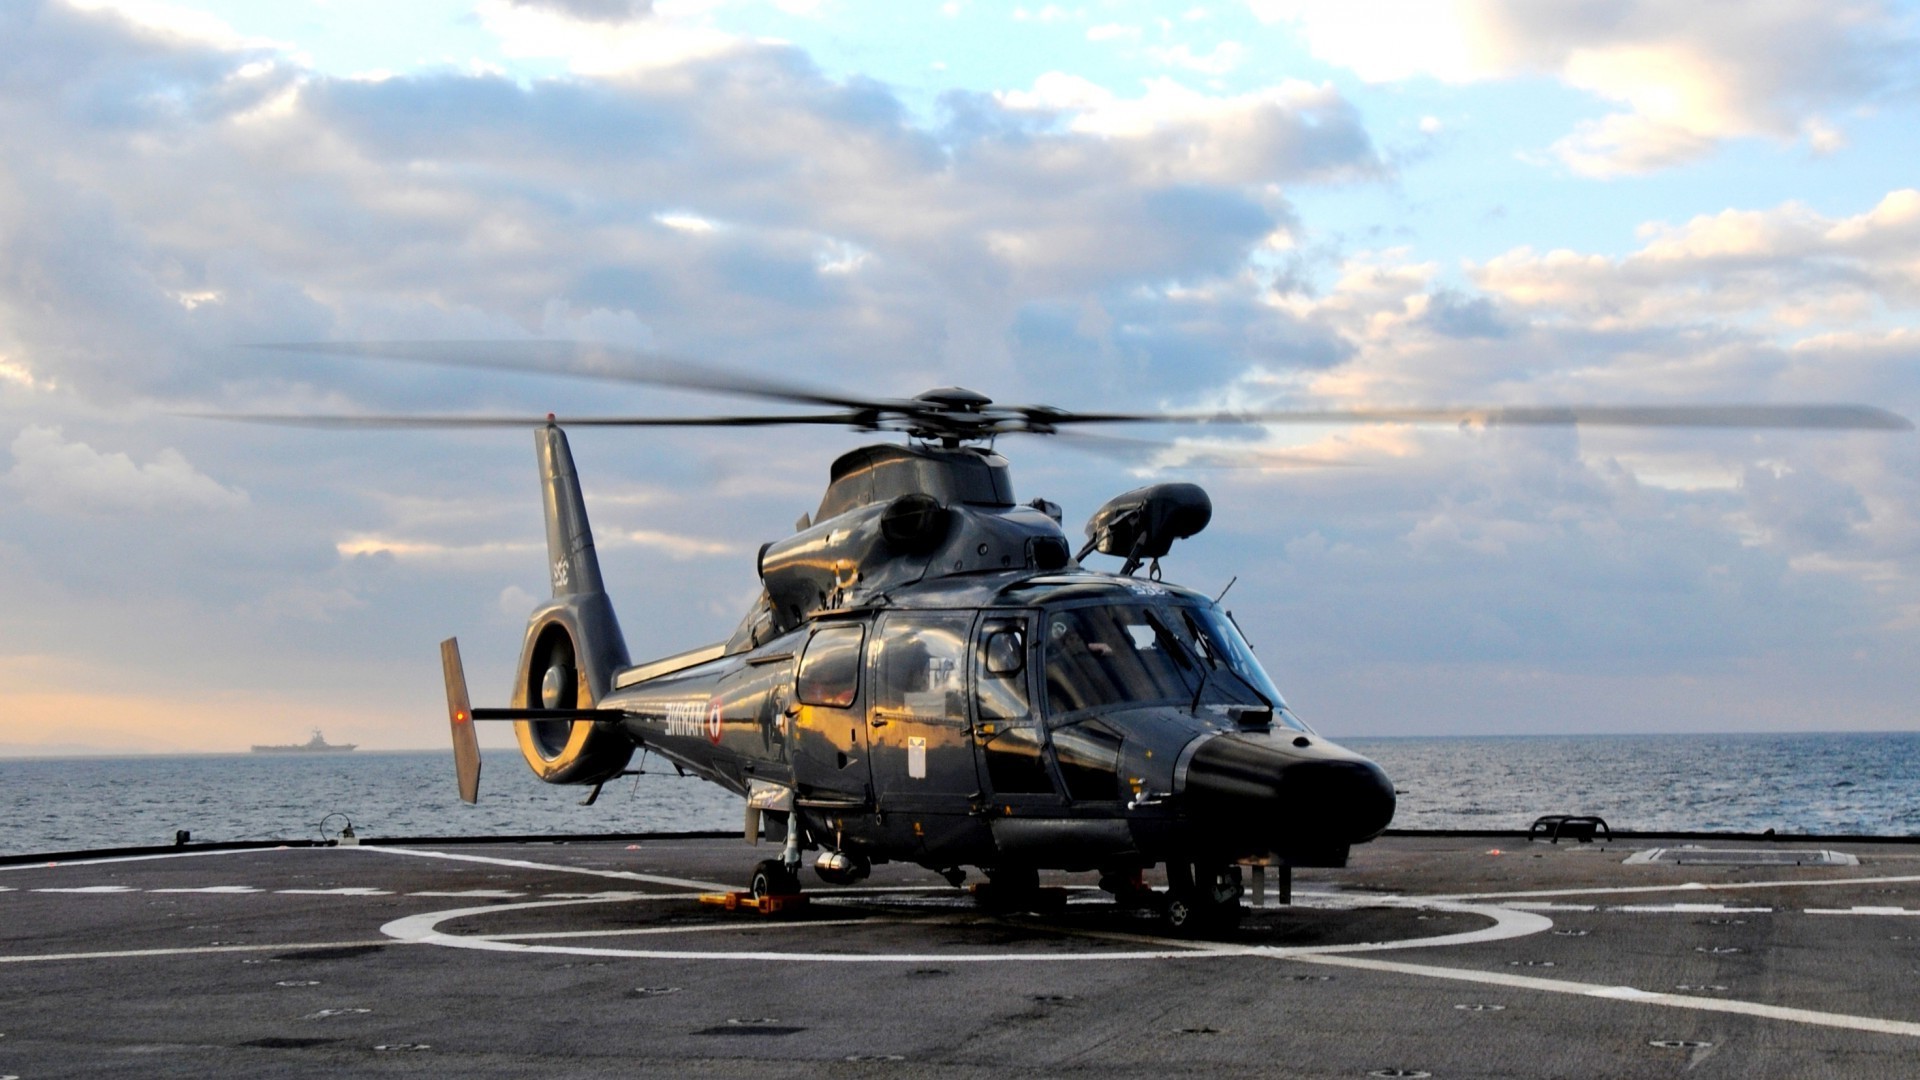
(1261, 794)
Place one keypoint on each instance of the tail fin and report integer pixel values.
(580, 601)
(573, 644)
(570, 558)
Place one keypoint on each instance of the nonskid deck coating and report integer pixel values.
(1449, 957)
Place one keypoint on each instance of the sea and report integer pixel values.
(1826, 783)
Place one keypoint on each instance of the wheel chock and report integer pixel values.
(765, 905)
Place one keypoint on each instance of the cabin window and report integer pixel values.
(830, 669)
(919, 670)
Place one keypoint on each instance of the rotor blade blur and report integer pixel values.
(1260, 459)
(1120, 447)
(1782, 417)
(582, 360)
(443, 422)
(1133, 451)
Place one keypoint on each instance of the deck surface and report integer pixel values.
(1427, 956)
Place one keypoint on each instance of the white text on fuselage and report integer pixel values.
(699, 719)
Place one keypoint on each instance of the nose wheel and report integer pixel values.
(1203, 899)
(772, 878)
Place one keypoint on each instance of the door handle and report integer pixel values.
(877, 722)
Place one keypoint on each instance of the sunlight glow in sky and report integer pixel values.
(1109, 204)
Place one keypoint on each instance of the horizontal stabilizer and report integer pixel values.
(466, 748)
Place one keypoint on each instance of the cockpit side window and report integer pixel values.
(1000, 686)
(1110, 655)
(1012, 742)
(830, 668)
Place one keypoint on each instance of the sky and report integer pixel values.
(1106, 205)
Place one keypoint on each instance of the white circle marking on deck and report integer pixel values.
(424, 929)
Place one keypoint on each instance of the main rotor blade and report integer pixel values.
(582, 360)
(308, 420)
(1124, 449)
(1785, 417)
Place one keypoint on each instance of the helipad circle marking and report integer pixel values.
(424, 929)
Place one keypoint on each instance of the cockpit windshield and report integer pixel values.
(1145, 654)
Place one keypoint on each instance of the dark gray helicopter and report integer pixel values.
(932, 675)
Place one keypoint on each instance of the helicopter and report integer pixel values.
(933, 674)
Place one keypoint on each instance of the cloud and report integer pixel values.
(516, 602)
(1295, 130)
(595, 11)
(167, 20)
(678, 547)
(1741, 305)
(20, 375)
(601, 37)
(274, 203)
(1686, 77)
(166, 198)
(58, 475)
(371, 546)
(1221, 59)
(1789, 267)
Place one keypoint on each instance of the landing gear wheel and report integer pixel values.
(1202, 900)
(772, 878)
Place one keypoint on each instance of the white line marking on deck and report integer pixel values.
(1691, 886)
(349, 890)
(120, 954)
(473, 894)
(233, 889)
(1507, 923)
(563, 934)
(83, 861)
(1691, 909)
(1859, 910)
(422, 929)
(91, 889)
(523, 864)
(1626, 993)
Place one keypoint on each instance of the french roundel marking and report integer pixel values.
(713, 722)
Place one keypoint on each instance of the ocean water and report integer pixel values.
(66, 804)
(1832, 783)
(1816, 783)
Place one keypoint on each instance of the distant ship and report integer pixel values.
(316, 745)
